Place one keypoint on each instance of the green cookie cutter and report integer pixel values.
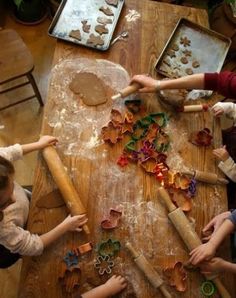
(159, 118)
(146, 121)
(131, 145)
(108, 248)
(208, 288)
(139, 131)
(163, 146)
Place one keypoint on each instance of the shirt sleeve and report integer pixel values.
(232, 217)
(224, 83)
(12, 153)
(21, 241)
(229, 109)
(228, 167)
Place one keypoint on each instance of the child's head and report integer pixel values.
(6, 183)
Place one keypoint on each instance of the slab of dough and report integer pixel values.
(95, 40)
(101, 29)
(112, 2)
(75, 34)
(90, 88)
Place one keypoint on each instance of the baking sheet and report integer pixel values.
(72, 12)
(206, 47)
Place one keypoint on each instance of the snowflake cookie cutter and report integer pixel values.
(104, 264)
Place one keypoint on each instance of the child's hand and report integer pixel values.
(114, 285)
(202, 252)
(221, 153)
(215, 265)
(214, 225)
(148, 84)
(74, 223)
(45, 141)
(217, 110)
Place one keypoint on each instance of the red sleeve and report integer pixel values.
(224, 83)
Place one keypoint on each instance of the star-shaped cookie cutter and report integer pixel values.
(104, 264)
(71, 259)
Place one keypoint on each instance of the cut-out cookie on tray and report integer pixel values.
(184, 60)
(195, 64)
(86, 27)
(101, 29)
(175, 47)
(185, 41)
(107, 11)
(187, 53)
(95, 40)
(189, 71)
(75, 34)
(171, 53)
(104, 21)
(112, 2)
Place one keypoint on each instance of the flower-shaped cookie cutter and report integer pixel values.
(109, 247)
(71, 258)
(104, 264)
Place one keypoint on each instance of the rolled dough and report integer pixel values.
(90, 88)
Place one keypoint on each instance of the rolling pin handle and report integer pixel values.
(222, 181)
(164, 291)
(133, 251)
(221, 289)
(166, 198)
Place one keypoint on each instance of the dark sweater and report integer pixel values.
(224, 83)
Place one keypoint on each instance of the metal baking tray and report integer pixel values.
(207, 47)
(71, 13)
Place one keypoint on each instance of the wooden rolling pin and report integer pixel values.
(188, 234)
(127, 91)
(205, 177)
(194, 108)
(148, 270)
(64, 183)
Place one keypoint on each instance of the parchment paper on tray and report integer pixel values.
(191, 49)
(87, 22)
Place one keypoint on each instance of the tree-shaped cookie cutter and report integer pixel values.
(104, 264)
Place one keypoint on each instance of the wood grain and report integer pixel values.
(144, 221)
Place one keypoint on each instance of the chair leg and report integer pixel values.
(35, 87)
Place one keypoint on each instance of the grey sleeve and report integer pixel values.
(232, 217)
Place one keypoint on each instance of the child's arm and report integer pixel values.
(217, 265)
(150, 85)
(113, 286)
(207, 251)
(43, 142)
(226, 164)
(227, 108)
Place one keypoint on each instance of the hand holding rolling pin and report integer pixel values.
(221, 153)
(74, 223)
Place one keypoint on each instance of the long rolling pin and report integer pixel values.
(194, 108)
(148, 270)
(211, 178)
(188, 234)
(64, 183)
(126, 91)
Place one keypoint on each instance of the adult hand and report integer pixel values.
(214, 225)
(74, 223)
(215, 265)
(202, 252)
(221, 153)
(45, 141)
(149, 85)
(217, 110)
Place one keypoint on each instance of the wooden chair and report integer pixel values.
(16, 62)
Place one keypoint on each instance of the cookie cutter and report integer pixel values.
(123, 160)
(111, 133)
(208, 288)
(177, 276)
(84, 248)
(109, 247)
(159, 118)
(113, 220)
(71, 258)
(104, 264)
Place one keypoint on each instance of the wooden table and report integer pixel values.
(102, 185)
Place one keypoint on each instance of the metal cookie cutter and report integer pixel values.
(104, 264)
(71, 258)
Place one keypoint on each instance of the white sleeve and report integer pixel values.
(12, 153)
(228, 167)
(229, 109)
(21, 241)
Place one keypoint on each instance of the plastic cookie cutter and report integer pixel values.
(112, 221)
(109, 247)
(71, 258)
(208, 288)
(84, 248)
(177, 276)
(123, 160)
(111, 134)
(104, 264)
(159, 118)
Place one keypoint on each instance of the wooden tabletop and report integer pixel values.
(102, 185)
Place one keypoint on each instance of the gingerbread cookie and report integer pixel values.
(85, 27)
(189, 71)
(165, 61)
(106, 10)
(112, 2)
(195, 64)
(95, 40)
(184, 60)
(171, 53)
(101, 29)
(104, 21)
(187, 53)
(89, 87)
(185, 41)
(75, 34)
(175, 47)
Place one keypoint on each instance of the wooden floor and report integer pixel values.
(22, 123)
